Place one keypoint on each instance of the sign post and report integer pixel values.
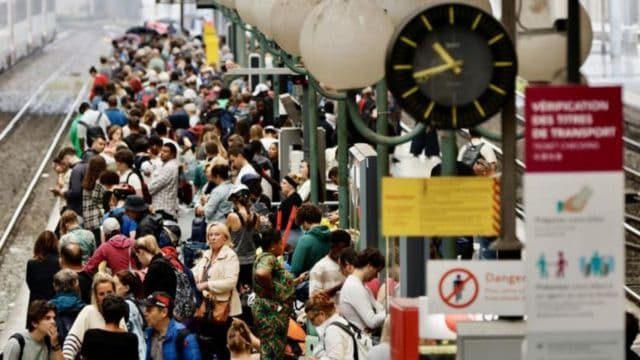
(574, 195)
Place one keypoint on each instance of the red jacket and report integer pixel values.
(116, 252)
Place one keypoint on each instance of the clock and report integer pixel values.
(451, 66)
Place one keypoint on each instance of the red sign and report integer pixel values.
(573, 128)
(458, 288)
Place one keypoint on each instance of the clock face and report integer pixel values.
(452, 66)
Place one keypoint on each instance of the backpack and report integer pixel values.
(138, 160)
(20, 340)
(185, 302)
(181, 339)
(170, 234)
(64, 321)
(146, 195)
(93, 131)
(362, 343)
(471, 154)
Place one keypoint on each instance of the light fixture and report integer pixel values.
(287, 18)
(245, 10)
(261, 11)
(231, 4)
(399, 10)
(344, 43)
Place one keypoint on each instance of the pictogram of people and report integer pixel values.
(542, 267)
(597, 265)
(560, 265)
(458, 286)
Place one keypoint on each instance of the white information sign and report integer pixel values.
(488, 287)
(574, 197)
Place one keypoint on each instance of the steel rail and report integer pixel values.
(45, 162)
(31, 99)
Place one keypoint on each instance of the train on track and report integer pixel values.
(25, 26)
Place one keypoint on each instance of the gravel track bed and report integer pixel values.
(22, 151)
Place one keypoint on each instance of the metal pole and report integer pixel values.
(615, 27)
(181, 15)
(382, 150)
(343, 166)
(508, 245)
(241, 43)
(449, 155)
(262, 77)
(276, 97)
(312, 104)
(573, 43)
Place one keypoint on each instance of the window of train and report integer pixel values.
(51, 6)
(4, 16)
(36, 7)
(20, 10)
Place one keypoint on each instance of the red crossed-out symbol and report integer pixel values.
(466, 278)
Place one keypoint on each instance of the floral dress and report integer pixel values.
(271, 314)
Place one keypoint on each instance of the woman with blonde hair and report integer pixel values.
(90, 317)
(216, 275)
(160, 275)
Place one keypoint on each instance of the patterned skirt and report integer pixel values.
(271, 320)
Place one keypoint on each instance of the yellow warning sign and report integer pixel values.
(442, 206)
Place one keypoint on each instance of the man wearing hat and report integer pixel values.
(138, 211)
(115, 251)
(165, 337)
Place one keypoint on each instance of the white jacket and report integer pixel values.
(337, 344)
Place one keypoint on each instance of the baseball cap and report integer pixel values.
(110, 225)
(238, 190)
(159, 299)
(271, 128)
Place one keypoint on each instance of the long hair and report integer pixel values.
(46, 243)
(68, 218)
(132, 280)
(96, 166)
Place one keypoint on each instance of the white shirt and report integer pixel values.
(358, 306)
(337, 344)
(131, 178)
(246, 169)
(324, 275)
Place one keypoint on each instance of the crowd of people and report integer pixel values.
(161, 135)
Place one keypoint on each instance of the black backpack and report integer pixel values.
(93, 131)
(471, 154)
(21, 342)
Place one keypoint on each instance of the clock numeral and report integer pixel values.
(495, 39)
(452, 16)
(409, 42)
(410, 92)
(426, 23)
(479, 108)
(503, 64)
(497, 89)
(427, 113)
(454, 117)
(402, 67)
(476, 22)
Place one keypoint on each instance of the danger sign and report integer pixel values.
(458, 288)
(488, 287)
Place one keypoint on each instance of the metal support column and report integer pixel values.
(262, 65)
(508, 246)
(241, 46)
(312, 121)
(181, 15)
(413, 279)
(343, 166)
(382, 106)
(276, 97)
(573, 43)
(449, 155)
(616, 14)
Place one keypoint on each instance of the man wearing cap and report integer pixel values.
(166, 338)
(270, 136)
(116, 251)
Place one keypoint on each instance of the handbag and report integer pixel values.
(210, 309)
